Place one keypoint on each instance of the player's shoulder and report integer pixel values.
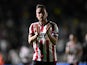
(55, 26)
(52, 22)
(34, 23)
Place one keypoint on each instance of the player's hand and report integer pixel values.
(37, 29)
(48, 28)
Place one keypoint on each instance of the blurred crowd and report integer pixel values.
(17, 15)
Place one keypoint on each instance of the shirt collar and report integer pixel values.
(43, 24)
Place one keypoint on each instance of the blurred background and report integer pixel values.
(17, 15)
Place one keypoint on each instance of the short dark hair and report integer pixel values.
(40, 6)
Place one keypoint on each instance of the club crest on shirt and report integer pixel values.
(42, 35)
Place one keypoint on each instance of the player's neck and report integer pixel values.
(43, 22)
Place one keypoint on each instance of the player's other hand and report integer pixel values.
(48, 28)
(37, 29)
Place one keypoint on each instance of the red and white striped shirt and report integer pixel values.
(44, 49)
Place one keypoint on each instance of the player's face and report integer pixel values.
(41, 14)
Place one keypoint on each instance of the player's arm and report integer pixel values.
(32, 35)
(32, 38)
(53, 38)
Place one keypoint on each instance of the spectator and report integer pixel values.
(26, 54)
(84, 57)
(73, 50)
(14, 57)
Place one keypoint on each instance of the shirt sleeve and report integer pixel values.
(55, 31)
(31, 29)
